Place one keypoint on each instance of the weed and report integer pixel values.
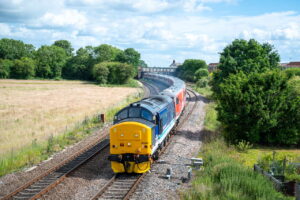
(243, 146)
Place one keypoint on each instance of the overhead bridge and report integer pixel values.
(158, 70)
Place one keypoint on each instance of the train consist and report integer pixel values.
(141, 129)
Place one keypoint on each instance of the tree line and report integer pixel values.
(23, 61)
(256, 100)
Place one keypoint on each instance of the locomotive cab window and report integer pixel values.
(134, 112)
(177, 100)
(123, 114)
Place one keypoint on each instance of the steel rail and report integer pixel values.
(43, 183)
(110, 187)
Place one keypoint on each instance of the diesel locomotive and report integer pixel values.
(141, 129)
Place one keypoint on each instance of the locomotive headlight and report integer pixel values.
(129, 144)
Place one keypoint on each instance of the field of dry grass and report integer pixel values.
(33, 110)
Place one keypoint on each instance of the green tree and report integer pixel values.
(5, 66)
(106, 52)
(142, 63)
(130, 56)
(80, 66)
(201, 73)
(66, 45)
(23, 68)
(188, 69)
(100, 72)
(119, 73)
(50, 61)
(259, 108)
(15, 49)
(246, 56)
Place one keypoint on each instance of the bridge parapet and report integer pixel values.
(158, 70)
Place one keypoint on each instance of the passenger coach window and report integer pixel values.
(134, 112)
(123, 114)
(146, 115)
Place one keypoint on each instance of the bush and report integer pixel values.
(5, 66)
(293, 72)
(188, 69)
(23, 68)
(100, 73)
(201, 73)
(202, 83)
(259, 108)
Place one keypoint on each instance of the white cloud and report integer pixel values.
(68, 17)
(5, 30)
(159, 29)
(194, 5)
(150, 6)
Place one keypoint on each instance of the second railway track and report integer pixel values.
(123, 186)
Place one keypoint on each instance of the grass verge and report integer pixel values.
(206, 91)
(37, 152)
(223, 176)
(130, 83)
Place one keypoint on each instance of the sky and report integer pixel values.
(161, 30)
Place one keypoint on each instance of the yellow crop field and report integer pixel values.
(32, 110)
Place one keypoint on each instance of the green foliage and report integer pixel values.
(119, 73)
(201, 73)
(130, 56)
(243, 146)
(106, 52)
(211, 122)
(188, 69)
(142, 63)
(225, 178)
(279, 163)
(23, 68)
(50, 61)
(202, 83)
(57, 61)
(5, 66)
(100, 72)
(246, 56)
(292, 72)
(15, 49)
(66, 45)
(80, 66)
(259, 108)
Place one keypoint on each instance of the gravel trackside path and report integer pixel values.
(184, 145)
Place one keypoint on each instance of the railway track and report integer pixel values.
(123, 186)
(115, 188)
(40, 185)
(153, 90)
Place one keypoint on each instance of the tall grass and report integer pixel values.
(225, 178)
(37, 152)
(206, 91)
(210, 121)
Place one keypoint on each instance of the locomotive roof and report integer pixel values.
(154, 103)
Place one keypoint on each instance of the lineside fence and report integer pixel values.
(291, 188)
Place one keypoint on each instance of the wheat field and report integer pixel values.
(32, 110)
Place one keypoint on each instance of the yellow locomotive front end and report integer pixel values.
(130, 147)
